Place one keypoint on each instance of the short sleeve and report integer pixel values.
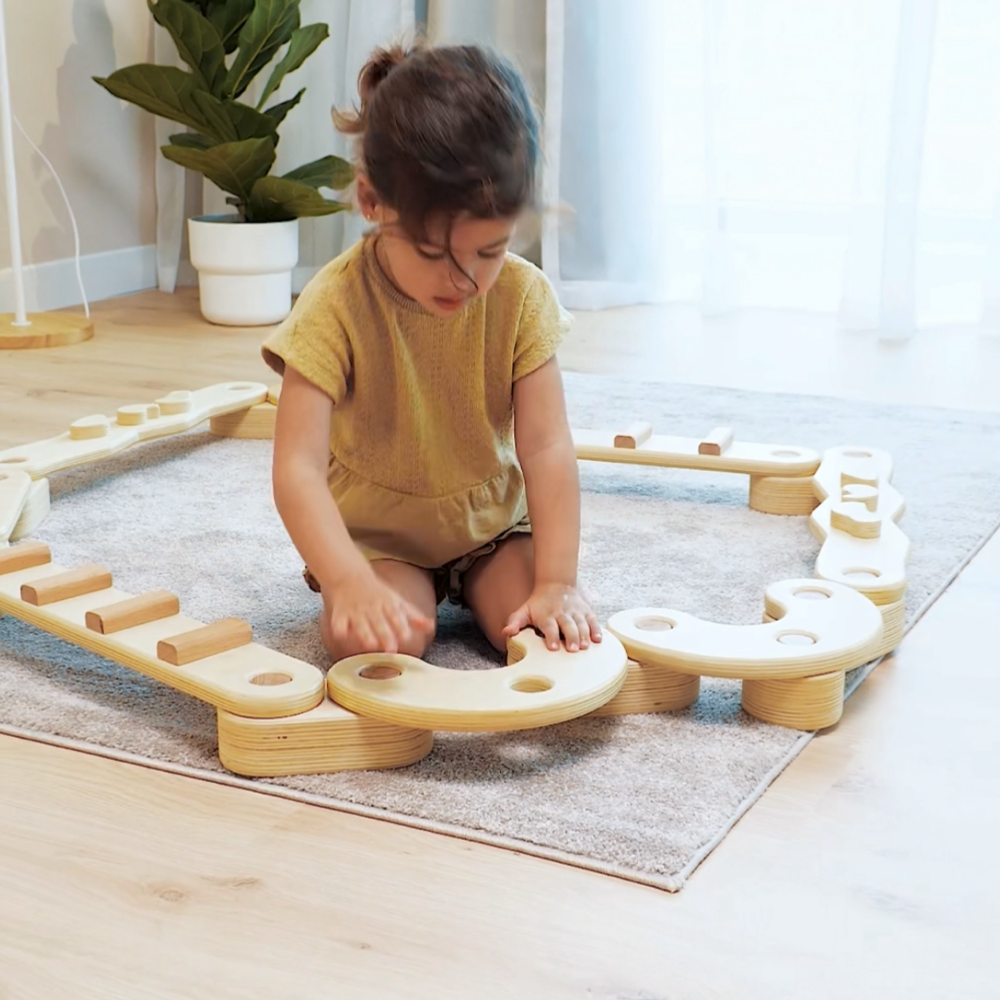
(542, 325)
(313, 341)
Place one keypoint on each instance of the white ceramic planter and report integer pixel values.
(244, 269)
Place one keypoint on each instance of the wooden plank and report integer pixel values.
(134, 611)
(225, 634)
(63, 586)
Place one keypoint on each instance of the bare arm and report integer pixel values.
(309, 512)
(552, 483)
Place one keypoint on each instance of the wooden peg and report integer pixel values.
(228, 633)
(717, 443)
(137, 413)
(63, 586)
(139, 610)
(175, 402)
(95, 426)
(634, 435)
(24, 556)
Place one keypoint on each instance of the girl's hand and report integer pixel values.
(555, 608)
(369, 614)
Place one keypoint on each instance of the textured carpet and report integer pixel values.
(643, 797)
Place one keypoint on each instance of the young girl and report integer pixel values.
(422, 416)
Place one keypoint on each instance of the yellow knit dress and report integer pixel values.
(422, 460)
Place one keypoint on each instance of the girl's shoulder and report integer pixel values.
(519, 277)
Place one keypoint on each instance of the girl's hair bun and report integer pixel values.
(380, 64)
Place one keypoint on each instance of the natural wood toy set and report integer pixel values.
(277, 715)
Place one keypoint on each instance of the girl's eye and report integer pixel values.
(492, 256)
(430, 255)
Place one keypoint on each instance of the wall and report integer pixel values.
(102, 148)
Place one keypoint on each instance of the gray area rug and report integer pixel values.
(642, 797)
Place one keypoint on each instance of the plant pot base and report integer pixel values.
(245, 299)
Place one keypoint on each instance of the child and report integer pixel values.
(409, 361)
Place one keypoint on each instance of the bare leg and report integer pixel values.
(416, 585)
(498, 584)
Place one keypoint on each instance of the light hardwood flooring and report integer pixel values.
(869, 869)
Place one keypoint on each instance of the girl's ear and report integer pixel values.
(367, 199)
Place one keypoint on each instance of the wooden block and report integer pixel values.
(24, 556)
(634, 435)
(85, 428)
(787, 495)
(649, 688)
(35, 510)
(538, 687)
(821, 627)
(137, 413)
(803, 703)
(325, 739)
(717, 443)
(15, 486)
(227, 633)
(256, 423)
(179, 401)
(63, 586)
(134, 611)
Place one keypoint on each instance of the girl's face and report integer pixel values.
(442, 282)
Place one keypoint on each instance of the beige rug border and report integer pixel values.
(670, 884)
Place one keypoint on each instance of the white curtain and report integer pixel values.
(330, 76)
(836, 156)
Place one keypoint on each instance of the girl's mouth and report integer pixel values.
(448, 305)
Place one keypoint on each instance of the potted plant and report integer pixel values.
(244, 259)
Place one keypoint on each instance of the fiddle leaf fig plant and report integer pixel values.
(226, 44)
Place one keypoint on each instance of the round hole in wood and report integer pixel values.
(271, 679)
(651, 623)
(796, 639)
(785, 453)
(812, 594)
(862, 573)
(532, 685)
(857, 454)
(379, 672)
(14, 460)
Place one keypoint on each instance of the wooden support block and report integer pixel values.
(139, 610)
(63, 586)
(634, 435)
(649, 688)
(227, 633)
(256, 423)
(24, 556)
(717, 443)
(788, 495)
(85, 428)
(803, 703)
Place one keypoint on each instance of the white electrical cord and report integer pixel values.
(69, 208)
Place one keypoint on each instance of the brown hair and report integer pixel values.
(445, 131)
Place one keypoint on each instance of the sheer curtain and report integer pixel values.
(330, 76)
(837, 156)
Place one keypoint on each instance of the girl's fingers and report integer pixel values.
(595, 628)
(366, 635)
(570, 632)
(517, 622)
(582, 629)
(550, 629)
(388, 642)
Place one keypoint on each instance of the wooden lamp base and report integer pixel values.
(46, 330)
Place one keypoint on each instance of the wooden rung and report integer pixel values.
(228, 633)
(717, 443)
(139, 610)
(63, 586)
(634, 435)
(24, 556)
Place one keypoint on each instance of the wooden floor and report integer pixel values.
(870, 869)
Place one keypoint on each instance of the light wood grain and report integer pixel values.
(209, 640)
(24, 555)
(133, 611)
(63, 586)
(538, 687)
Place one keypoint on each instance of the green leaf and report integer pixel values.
(197, 41)
(164, 90)
(303, 43)
(277, 199)
(228, 18)
(192, 140)
(270, 26)
(329, 172)
(249, 123)
(277, 112)
(233, 166)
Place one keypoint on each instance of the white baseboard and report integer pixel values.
(105, 275)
